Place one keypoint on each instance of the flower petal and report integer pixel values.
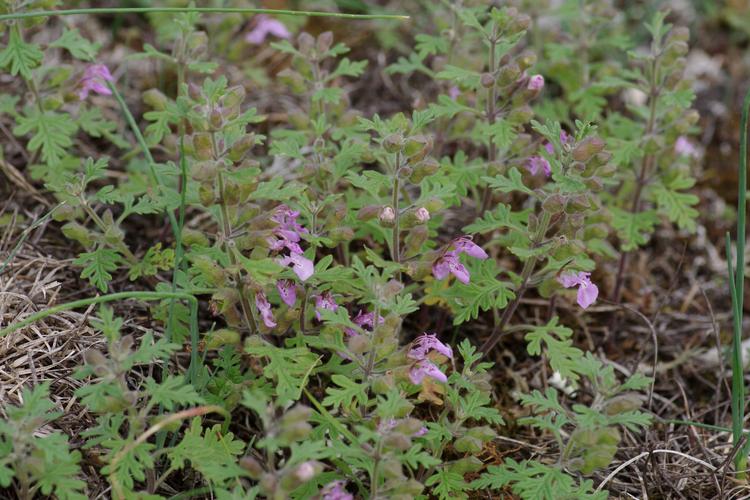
(287, 291)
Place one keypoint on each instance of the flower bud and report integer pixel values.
(391, 469)
(197, 43)
(78, 232)
(205, 171)
(417, 147)
(587, 148)
(527, 60)
(114, 235)
(206, 194)
(482, 432)
(203, 146)
(341, 234)
(487, 80)
(155, 99)
(680, 34)
(468, 444)
(252, 466)
(623, 403)
(381, 384)
(434, 205)
(393, 143)
(554, 204)
(397, 441)
(520, 114)
(294, 432)
(358, 344)
(305, 43)
(194, 91)
(241, 147)
(387, 215)
(425, 168)
(234, 97)
(508, 74)
(415, 238)
(536, 83)
(325, 40)
(222, 337)
(369, 212)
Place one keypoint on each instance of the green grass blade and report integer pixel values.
(208, 10)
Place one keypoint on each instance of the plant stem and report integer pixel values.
(146, 152)
(490, 115)
(396, 237)
(646, 167)
(528, 270)
(208, 10)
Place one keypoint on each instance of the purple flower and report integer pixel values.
(684, 147)
(287, 291)
(286, 237)
(264, 307)
(391, 423)
(264, 27)
(301, 265)
(465, 245)
(536, 83)
(95, 79)
(324, 301)
(335, 491)
(537, 164)
(447, 264)
(454, 92)
(587, 291)
(425, 343)
(364, 320)
(423, 369)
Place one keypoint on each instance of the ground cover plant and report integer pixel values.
(343, 250)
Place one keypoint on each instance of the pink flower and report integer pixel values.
(447, 264)
(364, 320)
(335, 491)
(454, 92)
(587, 291)
(536, 83)
(423, 369)
(387, 214)
(422, 215)
(286, 237)
(684, 147)
(465, 245)
(95, 79)
(537, 164)
(266, 26)
(324, 301)
(287, 291)
(301, 265)
(426, 343)
(264, 308)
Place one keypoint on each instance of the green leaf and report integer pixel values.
(50, 131)
(676, 205)
(20, 56)
(172, 392)
(350, 390)
(290, 366)
(513, 182)
(212, 452)
(502, 217)
(447, 484)
(78, 46)
(633, 228)
(563, 357)
(98, 265)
